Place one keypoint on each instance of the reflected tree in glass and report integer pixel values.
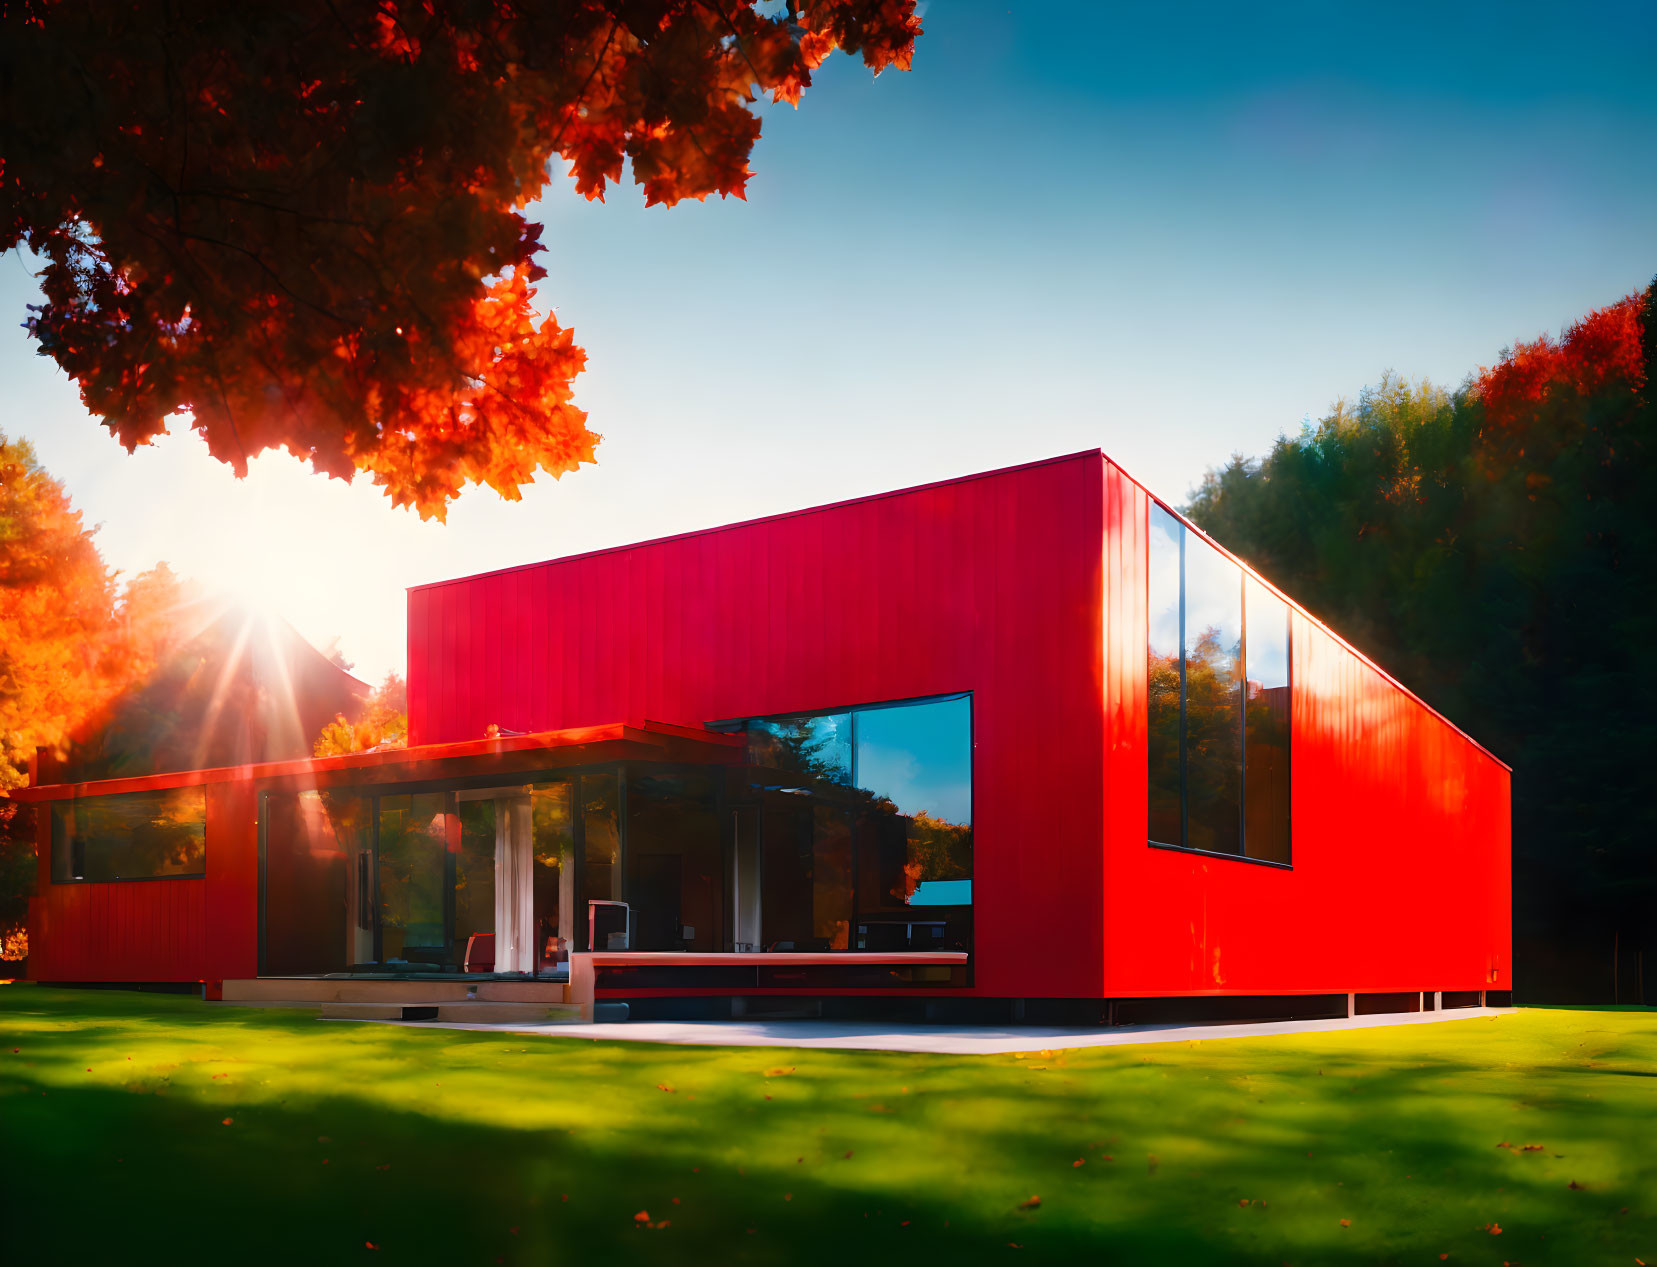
(1213, 699)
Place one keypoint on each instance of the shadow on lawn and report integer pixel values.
(448, 1147)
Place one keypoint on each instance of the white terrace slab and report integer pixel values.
(952, 1040)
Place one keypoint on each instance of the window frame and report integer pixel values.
(52, 831)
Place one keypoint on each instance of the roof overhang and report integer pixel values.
(505, 756)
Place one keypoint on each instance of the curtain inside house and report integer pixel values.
(514, 887)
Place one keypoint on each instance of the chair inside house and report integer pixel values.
(480, 953)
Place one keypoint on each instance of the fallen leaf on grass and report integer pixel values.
(1534, 1148)
(1346, 1222)
(1244, 1201)
(227, 1121)
(781, 1071)
(643, 1216)
(1504, 1144)
(1495, 1229)
(662, 1086)
(1034, 1203)
(1080, 1161)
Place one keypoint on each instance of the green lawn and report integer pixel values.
(149, 1128)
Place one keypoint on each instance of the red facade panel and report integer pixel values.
(149, 931)
(1400, 877)
(992, 585)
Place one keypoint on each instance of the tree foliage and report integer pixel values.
(59, 663)
(382, 722)
(1495, 547)
(302, 224)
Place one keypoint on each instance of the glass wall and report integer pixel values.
(675, 861)
(1218, 701)
(318, 883)
(130, 836)
(865, 827)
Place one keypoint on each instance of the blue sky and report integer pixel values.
(1170, 234)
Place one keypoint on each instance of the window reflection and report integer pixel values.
(413, 868)
(1266, 738)
(552, 819)
(600, 801)
(1217, 701)
(675, 862)
(130, 836)
(474, 883)
(864, 816)
(1164, 687)
(318, 883)
(1213, 699)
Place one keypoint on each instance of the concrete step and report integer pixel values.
(473, 1011)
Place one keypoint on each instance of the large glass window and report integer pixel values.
(1218, 701)
(131, 836)
(413, 872)
(865, 827)
(318, 883)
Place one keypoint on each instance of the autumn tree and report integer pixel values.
(382, 722)
(56, 666)
(302, 225)
(1496, 548)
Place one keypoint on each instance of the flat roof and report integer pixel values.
(617, 741)
(967, 479)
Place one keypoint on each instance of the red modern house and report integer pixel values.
(1025, 742)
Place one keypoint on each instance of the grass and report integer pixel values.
(150, 1128)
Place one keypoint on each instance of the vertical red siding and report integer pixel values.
(1400, 834)
(232, 897)
(148, 931)
(993, 585)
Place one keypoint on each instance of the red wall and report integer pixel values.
(155, 930)
(991, 584)
(1399, 822)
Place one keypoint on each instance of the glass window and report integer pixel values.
(318, 883)
(413, 873)
(865, 827)
(675, 862)
(600, 854)
(1213, 700)
(1266, 734)
(1217, 751)
(1165, 684)
(552, 819)
(474, 881)
(131, 836)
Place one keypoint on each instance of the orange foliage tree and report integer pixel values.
(381, 723)
(301, 224)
